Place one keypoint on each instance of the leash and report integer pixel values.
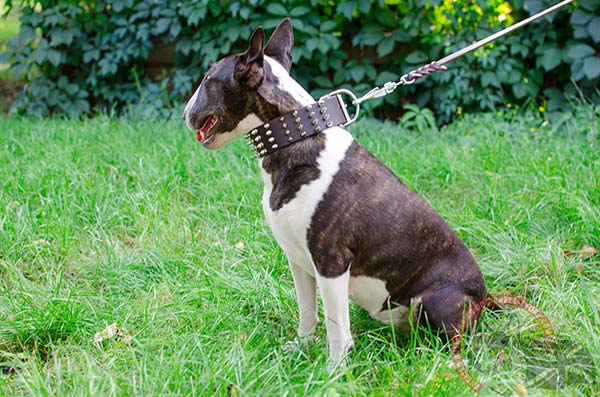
(331, 110)
(425, 70)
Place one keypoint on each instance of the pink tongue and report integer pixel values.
(204, 129)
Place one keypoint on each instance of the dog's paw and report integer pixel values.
(337, 357)
(336, 367)
(298, 343)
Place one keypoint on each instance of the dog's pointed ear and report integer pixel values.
(249, 68)
(281, 44)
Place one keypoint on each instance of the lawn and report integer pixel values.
(109, 220)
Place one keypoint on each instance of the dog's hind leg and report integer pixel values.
(306, 294)
(334, 292)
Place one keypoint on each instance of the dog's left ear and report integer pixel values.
(249, 68)
(281, 43)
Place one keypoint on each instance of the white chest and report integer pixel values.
(290, 223)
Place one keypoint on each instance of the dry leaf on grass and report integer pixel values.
(587, 251)
(112, 332)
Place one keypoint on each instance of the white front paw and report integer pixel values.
(337, 355)
(298, 343)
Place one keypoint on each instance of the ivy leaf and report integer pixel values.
(591, 67)
(347, 8)
(196, 15)
(61, 36)
(555, 97)
(490, 78)
(385, 76)
(277, 9)
(328, 26)
(311, 44)
(385, 46)
(245, 13)
(299, 11)
(580, 17)
(54, 57)
(323, 81)
(364, 6)
(550, 58)
(519, 89)
(594, 29)
(357, 73)
(579, 51)
(416, 57)
(91, 55)
(162, 25)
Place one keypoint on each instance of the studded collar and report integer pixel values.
(298, 124)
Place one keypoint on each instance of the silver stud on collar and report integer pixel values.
(300, 127)
(269, 132)
(267, 125)
(290, 139)
(260, 146)
(282, 119)
(321, 102)
(254, 132)
(295, 113)
(311, 115)
(326, 117)
(323, 110)
(263, 152)
(287, 132)
(303, 134)
(274, 146)
(258, 138)
(284, 125)
(271, 139)
(308, 107)
(329, 124)
(315, 122)
(297, 120)
(317, 129)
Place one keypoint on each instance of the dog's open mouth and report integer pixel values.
(203, 134)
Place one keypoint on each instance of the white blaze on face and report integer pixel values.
(186, 112)
(288, 84)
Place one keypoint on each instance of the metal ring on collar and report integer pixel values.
(355, 102)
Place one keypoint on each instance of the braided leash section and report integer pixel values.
(423, 71)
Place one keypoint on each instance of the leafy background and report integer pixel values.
(143, 57)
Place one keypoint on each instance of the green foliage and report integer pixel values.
(91, 56)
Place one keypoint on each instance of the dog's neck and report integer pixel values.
(297, 117)
(290, 95)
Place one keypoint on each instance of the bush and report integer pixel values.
(98, 56)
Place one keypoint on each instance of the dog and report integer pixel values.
(346, 223)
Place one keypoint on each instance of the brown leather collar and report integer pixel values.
(298, 124)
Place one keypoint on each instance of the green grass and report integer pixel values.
(109, 220)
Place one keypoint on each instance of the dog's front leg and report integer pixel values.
(306, 294)
(334, 292)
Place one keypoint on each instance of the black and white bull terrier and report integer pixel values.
(344, 220)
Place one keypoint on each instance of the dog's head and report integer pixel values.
(242, 91)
